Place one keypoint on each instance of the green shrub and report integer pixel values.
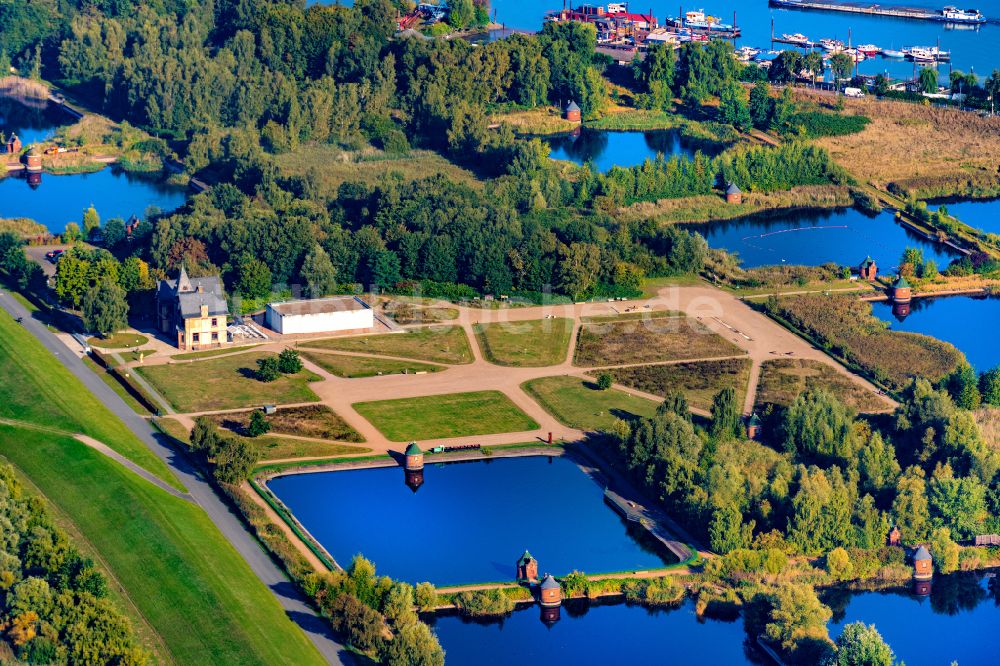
(484, 603)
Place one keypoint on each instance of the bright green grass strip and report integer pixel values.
(342, 365)
(578, 403)
(442, 416)
(437, 344)
(535, 343)
(35, 387)
(178, 569)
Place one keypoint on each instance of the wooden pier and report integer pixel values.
(896, 11)
(638, 514)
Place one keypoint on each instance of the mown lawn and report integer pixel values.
(228, 382)
(578, 403)
(177, 570)
(442, 416)
(782, 380)
(209, 353)
(365, 366)
(699, 382)
(36, 387)
(316, 421)
(123, 340)
(648, 341)
(437, 344)
(534, 343)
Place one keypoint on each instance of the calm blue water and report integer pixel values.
(980, 213)
(624, 149)
(468, 523)
(956, 623)
(32, 123)
(61, 199)
(973, 48)
(598, 634)
(968, 322)
(844, 236)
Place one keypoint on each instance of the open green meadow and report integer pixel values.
(342, 365)
(578, 403)
(227, 382)
(436, 344)
(699, 382)
(536, 343)
(442, 416)
(173, 569)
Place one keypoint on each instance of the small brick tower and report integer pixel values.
(734, 195)
(414, 458)
(753, 426)
(13, 144)
(923, 564)
(894, 536)
(868, 269)
(34, 159)
(527, 569)
(902, 292)
(549, 592)
(572, 112)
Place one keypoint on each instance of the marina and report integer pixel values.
(949, 14)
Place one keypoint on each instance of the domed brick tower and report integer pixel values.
(414, 458)
(902, 292)
(923, 564)
(572, 112)
(549, 592)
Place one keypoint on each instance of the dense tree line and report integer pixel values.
(54, 605)
(825, 478)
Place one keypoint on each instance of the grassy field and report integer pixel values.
(209, 353)
(333, 166)
(276, 447)
(163, 555)
(36, 387)
(578, 403)
(406, 314)
(665, 339)
(782, 380)
(342, 365)
(536, 122)
(630, 316)
(316, 421)
(698, 381)
(122, 340)
(226, 383)
(175, 568)
(437, 344)
(442, 416)
(710, 207)
(927, 151)
(116, 386)
(845, 325)
(534, 343)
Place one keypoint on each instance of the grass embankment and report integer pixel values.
(163, 555)
(35, 387)
(342, 365)
(540, 121)
(443, 416)
(116, 386)
(579, 404)
(316, 421)
(123, 340)
(535, 343)
(228, 382)
(662, 339)
(782, 380)
(209, 353)
(176, 569)
(333, 166)
(845, 326)
(710, 207)
(923, 151)
(436, 344)
(699, 382)
(23, 227)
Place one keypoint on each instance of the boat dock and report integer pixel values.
(897, 11)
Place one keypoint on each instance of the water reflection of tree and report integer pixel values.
(582, 147)
(957, 592)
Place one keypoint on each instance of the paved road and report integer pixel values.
(291, 600)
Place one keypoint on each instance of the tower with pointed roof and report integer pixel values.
(753, 426)
(902, 292)
(194, 310)
(923, 564)
(414, 457)
(572, 112)
(734, 195)
(867, 270)
(527, 569)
